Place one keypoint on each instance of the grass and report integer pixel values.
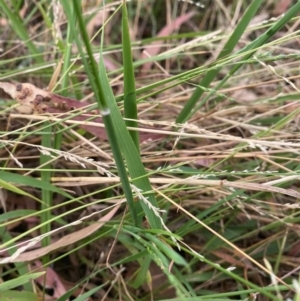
(187, 187)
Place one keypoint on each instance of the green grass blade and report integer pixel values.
(14, 295)
(67, 51)
(46, 194)
(131, 154)
(229, 46)
(86, 295)
(143, 272)
(102, 99)
(7, 285)
(167, 250)
(71, 31)
(130, 105)
(252, 47)
(118, 134)
(15, 189)
(15, 214)
(250, 50)
(32, 182)
(20, 30)
(21, 268)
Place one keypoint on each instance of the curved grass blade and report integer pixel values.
(7, 285)
(32, 182)
(15, 214)
(15, 189)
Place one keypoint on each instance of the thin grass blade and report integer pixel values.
(229, 46)
(249, 50)
(18, 27)
(130, 104)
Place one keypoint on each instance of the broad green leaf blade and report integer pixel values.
(15, 214)
(167, 250)
(7, 285)
(130, 104)
(131, 154)
(143, 273)
(32, 182)
(18, 296)
(15, 189)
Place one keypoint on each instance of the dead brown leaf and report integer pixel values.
(38, 101)
(63, 242)
(49, 280)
